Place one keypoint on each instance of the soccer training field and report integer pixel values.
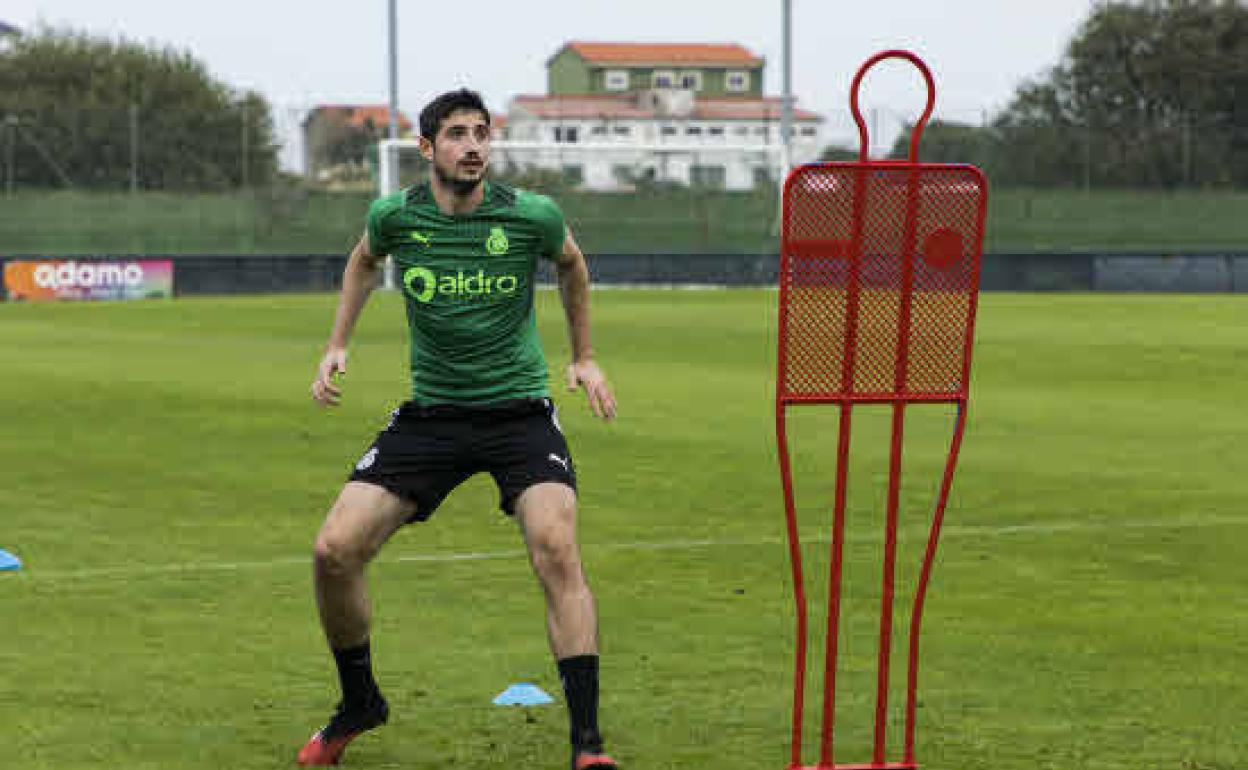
(164, 473)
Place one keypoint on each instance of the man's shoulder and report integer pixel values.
(386, 205)
(413, 197)
(534, 205)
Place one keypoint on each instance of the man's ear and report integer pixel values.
(426, 148)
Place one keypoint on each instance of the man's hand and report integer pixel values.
(586, 374)
(324, 391)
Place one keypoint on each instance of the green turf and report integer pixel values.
(164, 473)
(670, 221)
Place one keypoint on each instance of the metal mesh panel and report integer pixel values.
(879, 272)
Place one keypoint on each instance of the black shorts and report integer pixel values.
(427, 451)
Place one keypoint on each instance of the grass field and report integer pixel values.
(164, 473)
(665, 222)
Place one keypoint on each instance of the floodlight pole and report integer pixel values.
(786, 104)
(394, 69)
(393, 34)
(786, 110)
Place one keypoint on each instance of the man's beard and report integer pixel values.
(460, 187)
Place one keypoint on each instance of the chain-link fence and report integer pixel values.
(75, 180)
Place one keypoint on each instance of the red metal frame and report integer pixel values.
(847, 393)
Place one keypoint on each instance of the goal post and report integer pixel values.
(606, 167)
(668, 162)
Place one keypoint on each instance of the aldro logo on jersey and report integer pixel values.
(422, 284)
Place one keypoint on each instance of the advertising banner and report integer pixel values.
(47, 280)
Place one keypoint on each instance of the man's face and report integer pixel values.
(460, 152)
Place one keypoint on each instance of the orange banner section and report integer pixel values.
(57, 279)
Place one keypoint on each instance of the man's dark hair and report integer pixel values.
(438, 110)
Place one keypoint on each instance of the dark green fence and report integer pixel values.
(292, 219)
(1033, 272)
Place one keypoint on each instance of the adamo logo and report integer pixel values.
(422, 284)
(87, 275)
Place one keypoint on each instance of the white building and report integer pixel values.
(685, 114)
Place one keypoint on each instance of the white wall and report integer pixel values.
(597, 165)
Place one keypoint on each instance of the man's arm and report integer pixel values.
(574, 292)
(358, 280)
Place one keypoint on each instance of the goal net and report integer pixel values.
(603, 167)
(631, 198)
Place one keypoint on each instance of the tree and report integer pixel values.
(948, 142)
(834, 152)
(109, 114)
(1151, 93)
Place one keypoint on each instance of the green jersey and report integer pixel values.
(468, 283)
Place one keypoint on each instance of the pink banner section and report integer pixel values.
(48, 280)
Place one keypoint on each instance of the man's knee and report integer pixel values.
(557, 561)
(360, 522)
(336, 555)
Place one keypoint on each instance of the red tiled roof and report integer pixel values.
(767, 108)
(729, 54)
(626, 106)
(357, 114)
(582, 106)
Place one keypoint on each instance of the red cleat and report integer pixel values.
(593, 760)
(326, 747)
(320, 751)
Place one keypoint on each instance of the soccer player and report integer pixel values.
(466, 250)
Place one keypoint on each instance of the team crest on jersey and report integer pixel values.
(497, 244)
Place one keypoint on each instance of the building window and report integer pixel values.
(694, 131)
(761, 131)
(762, 176)
(738, 81)
(623, 174)
(574, 174)
(715, 131)
(566, 134)
(598, 130)
(623, 130)
(668, 131)
(664, 79)
(691, 80)
(809, 131)
(707, 176)
(617, 80)
(741, 131)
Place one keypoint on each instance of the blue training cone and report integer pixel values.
(523, 694)
(9, 562)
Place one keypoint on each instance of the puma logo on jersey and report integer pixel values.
(367, 460)
(557, 459)
(421, 237)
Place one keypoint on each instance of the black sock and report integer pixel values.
(579, 675)
(355, 672)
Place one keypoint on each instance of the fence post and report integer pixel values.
(134, 147)
(1187, 149)
(1087, 158)
(245, 177)
(10, 145)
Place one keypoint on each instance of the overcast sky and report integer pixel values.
(315, 51)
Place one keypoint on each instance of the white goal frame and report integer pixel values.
(775, 156)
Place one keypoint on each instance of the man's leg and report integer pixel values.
(547, 514)
(360, 522)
